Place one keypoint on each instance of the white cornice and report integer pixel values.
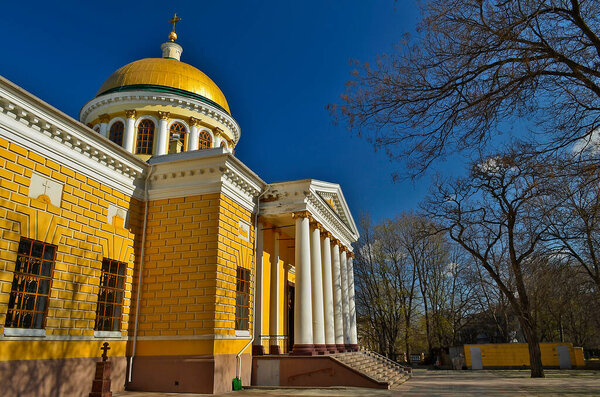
(32, 123)
(302, 195)
(202, 172)
(133, 99)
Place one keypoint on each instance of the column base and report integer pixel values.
(321, 349)
(275, 349)
(303, 350)
(258, 350)
(354, 348)
(340, 348)
(331, 348)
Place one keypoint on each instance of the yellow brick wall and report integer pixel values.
(516, 354)
(180, 263)
(233, 251)
(79, 228)
(193, 248)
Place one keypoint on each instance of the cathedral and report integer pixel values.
(136, 225)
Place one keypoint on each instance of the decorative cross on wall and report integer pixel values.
(46, 186)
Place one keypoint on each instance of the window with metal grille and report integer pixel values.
(145, 137)
(30, 291)
(177, 131)
(242, 299)
(204, 140)
(110, 295)
(116, 133)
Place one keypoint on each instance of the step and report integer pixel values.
(375, 367)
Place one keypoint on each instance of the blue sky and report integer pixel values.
(279, 64)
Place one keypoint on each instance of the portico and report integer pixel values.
(312, 231)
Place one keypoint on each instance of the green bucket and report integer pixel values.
(237, 384)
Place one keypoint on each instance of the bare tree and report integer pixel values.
(380, 288)
(493, 215)
(473, 66)
(574, 226)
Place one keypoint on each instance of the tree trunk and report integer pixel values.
(535, 355)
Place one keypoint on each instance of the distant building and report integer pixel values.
(138, 226)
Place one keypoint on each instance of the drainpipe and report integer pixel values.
(238, 357)
(137, 305)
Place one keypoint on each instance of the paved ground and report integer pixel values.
(501, 383)
(445, 383)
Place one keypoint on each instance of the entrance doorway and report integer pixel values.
(291, 291)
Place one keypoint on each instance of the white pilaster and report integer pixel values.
(258, 320)
(163, 136)
(193, 135)
(104, 119)
(328, 294)
(303, 336)
(317, 290)
(128, 139)
(352, 304)
(274, 297)
(337, 296)
(345, 316)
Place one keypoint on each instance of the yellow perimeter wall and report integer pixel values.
(517, 355)
(81, 230)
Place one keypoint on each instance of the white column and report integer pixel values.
(352, 305)
(104, 119)
(303, 336)
(274, 297)
(317, 290)
(328, 294)
(337, 297)
(128, 139)
(345, 317)
(257, 348)
(193, 135)
(162, 140)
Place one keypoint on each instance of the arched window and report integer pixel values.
(223, 144)
(116, 133)
(177, 131)
(97, 128)
(204, 140)
(145, 137)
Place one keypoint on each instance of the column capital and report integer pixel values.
(130, 114)
(104, 118)
(328, 235)
(164, 115)
(219, 132)
(337, 242)
(194, 122)
(350, 254)
(317, 225)
(301, 214)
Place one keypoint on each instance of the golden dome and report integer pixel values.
(166, 73)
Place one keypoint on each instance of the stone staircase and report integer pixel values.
(375, 366)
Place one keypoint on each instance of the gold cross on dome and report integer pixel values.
(174, 20)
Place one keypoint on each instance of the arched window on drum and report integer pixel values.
(177, 138)
(116, 133)
(145, 137)
(204, 140)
